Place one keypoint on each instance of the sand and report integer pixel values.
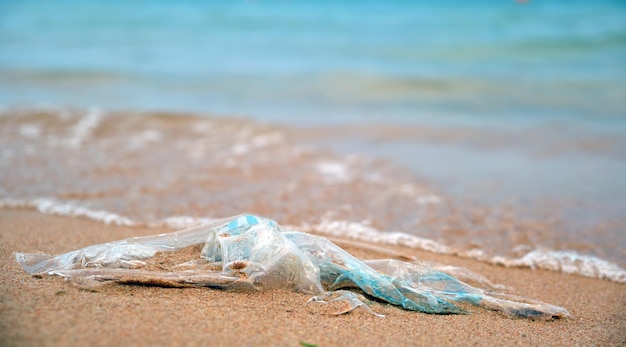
(50, 311)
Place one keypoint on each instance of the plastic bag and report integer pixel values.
(253, 253)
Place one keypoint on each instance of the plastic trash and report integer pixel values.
(252, 253)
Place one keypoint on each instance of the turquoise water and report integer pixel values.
(321, 61)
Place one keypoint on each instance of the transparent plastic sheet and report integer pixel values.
(252, 253)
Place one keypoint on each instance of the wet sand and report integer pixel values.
(151, 166)
(50, 311)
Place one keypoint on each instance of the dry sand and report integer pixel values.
(50, 311)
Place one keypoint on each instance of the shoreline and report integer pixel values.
(106, 161)
(51, 311)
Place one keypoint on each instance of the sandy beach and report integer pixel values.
(51, 311)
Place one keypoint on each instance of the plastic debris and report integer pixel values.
(252, 253)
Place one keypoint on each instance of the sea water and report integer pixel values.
(491, 129)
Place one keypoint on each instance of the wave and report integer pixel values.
(59, 208)
(568, 262)
(66, 209)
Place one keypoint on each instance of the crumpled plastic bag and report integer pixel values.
(253, 253)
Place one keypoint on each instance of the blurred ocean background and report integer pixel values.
(356, 61)
(498, 103)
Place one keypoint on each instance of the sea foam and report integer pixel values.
(568, 262)
(59, 208)
(364, 232)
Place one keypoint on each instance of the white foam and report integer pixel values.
(334, 171)
(240, 148)
(182, 222)
(144, 138)
(265, 140)
(419, 194)
(363, 232)
(84, 128)
(59, 208)
(408, 189)
(55, 207)
(428, 199)
(256, 142)
(31, 131)
(203, 127)
(568, 262)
